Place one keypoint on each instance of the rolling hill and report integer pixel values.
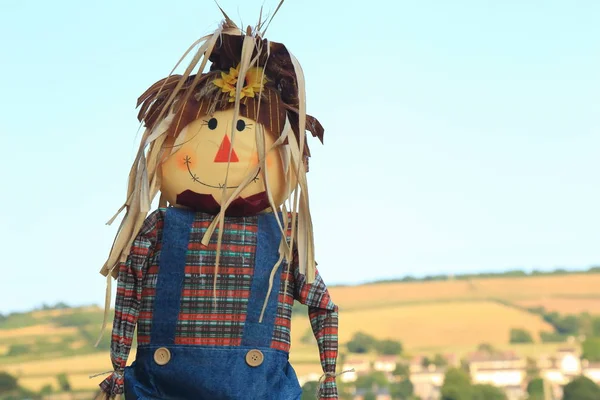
(427, 317)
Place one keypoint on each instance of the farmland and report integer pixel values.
(427, 317)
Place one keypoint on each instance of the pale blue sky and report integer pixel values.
(460, 135)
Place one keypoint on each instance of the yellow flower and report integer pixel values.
(254, 81)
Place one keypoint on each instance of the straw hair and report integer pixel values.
(162, 110)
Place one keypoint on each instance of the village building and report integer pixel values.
(380, 394)
(506, 370)
(560, 368)
(313, 377)
(428, 381)
(355, 368)
(427, 378)
(385, 363)
(591, 370)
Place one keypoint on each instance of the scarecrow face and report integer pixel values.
(205, 156)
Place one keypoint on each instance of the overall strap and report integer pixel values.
(171, 274)
(267, 253)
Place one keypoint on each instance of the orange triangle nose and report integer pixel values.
(223, 153)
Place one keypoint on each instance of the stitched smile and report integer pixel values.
(187, 160)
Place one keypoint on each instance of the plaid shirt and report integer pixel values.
(200, 322)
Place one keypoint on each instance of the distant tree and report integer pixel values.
(551, 317)
(515, 273)
(537, 272)
(565, 325)
(361, 343)
(299, 308)
(63, 382)
(374, 379)
(46, 390)
(309, 390)
(308, 337)
(535, 389)
(76, 320)
(486, 348)
(552, 337)
(568, 325)
(518, 335)
(465, 365)
(388, 347)
(585, 324)
(18, 349)
(439, 361)
(370, 396)
(61, 305)
(581, 388)
(402, 370)
(595, 326)
(560, 271)
(425, 362)
(531, 369)
(591, 349)
(8, 383)
(487, 392)
(403, 388)
(536, 310)
(103, 345)
(457, 385)
(345, 390)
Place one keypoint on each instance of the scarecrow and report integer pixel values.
(210, 277)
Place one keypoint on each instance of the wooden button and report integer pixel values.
(162, 356)
(254, 358)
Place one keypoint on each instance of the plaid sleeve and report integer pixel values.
(127, 303)
(323, 316)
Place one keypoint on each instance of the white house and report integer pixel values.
(385, 363)
(427, 383)
(359, 365)
(592, 370)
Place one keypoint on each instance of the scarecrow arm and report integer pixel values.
(323, 316)
(127, 303)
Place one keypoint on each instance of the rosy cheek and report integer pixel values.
(184, 162)
(270, 160)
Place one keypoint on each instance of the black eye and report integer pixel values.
(212, 123)
(241, 125)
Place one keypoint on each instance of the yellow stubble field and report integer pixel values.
(36, 331)
(372, 295)
(428, 325)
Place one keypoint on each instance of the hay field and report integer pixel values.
(576, 286)
(564, 305)
(37, 331)
(77, 382)
(46, 314)
(36, 374)
(89, 363)
(434, 324)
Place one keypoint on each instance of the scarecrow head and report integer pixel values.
(228, 141)
(231, 133)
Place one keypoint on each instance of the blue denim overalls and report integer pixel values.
(251, 371)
